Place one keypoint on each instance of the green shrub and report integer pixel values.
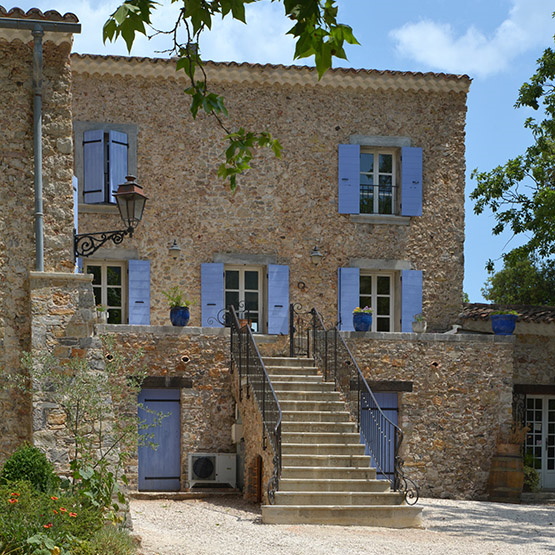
(108, 539)
(30, 463)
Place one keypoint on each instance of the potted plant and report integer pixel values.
(101, 314)
(362, 318)
(179, 306)
(419, 324)
(503, 322)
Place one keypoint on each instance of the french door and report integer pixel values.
(243, 290)
(540, 441)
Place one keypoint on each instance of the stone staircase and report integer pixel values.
(326, 478)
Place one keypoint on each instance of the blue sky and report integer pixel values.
(495, 42)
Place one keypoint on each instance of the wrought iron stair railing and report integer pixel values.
(251, 373)
(382, 437)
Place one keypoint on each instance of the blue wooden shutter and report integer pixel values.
(278, 299)
(349, 295)
(93, 166)
(75, 185)
(411, 297)
(212, 293)
(411, 181)
(118, 148)
(139, 292)
(349, 179)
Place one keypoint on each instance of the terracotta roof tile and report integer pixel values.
(526, 313)
(35, 13)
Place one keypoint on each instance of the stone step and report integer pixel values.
(292, 371)
(328, 472)
(297, 378)
(304, 416)
(315, 396)
(338, 498)
(390, 516)
(336, 484)
(309, 449)
(288, 361)
(320, 427)
(313, 437)
(303, 385)
(287, 405)
(333, 460)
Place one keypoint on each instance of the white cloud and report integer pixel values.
(263, 40)
(528, 25)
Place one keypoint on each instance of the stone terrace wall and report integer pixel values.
(201, 355)
(17, 251)
(282, 208)
(534, 356)
(461, 399)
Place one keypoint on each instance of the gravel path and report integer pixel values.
(232, 527)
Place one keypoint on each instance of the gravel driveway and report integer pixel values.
(232, 527)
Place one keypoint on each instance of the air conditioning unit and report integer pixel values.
(213, 468)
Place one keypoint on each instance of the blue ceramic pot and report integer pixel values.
(179, 315)
(362, 321)
(503, 324)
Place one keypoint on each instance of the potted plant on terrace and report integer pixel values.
(362, 318)
(419, 324)
(179, 306)
(503, 322)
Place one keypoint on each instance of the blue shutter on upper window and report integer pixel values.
(278, 299)
(118, 147)
(411, 297)
(212, 293)
(93, 166)
(349, 295)
(75, 185)
(411, 181)
(349, 179)
(139, 292)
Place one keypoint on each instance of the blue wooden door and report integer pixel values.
(160, 468)
(382, 447)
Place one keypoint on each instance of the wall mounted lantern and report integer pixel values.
(131, 203)
(316, 256)
(174, 249)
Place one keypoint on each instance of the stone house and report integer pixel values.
(372, 178)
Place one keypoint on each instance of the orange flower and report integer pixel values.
(63, 510)
(12, 500)
(55, 511)
(49, 525)
(15, 494)
(73, 514)
(54, 498)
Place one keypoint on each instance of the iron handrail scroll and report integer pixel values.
(85, 244)
(382, 437)
(247, 362)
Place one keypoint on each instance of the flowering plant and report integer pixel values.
(365, 310)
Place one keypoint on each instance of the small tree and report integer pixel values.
(523, 280)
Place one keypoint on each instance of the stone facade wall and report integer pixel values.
(461, 400)
(282, 208)
(201, 355)
(17, 242)
(64, 316)
(534, 356)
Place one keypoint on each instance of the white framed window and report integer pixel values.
(378, 181)
(244, 289)
(377, 290)
(110, 288)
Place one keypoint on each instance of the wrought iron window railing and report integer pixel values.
(383, 439)
(251, 374)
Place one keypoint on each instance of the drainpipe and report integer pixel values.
(38, 33)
